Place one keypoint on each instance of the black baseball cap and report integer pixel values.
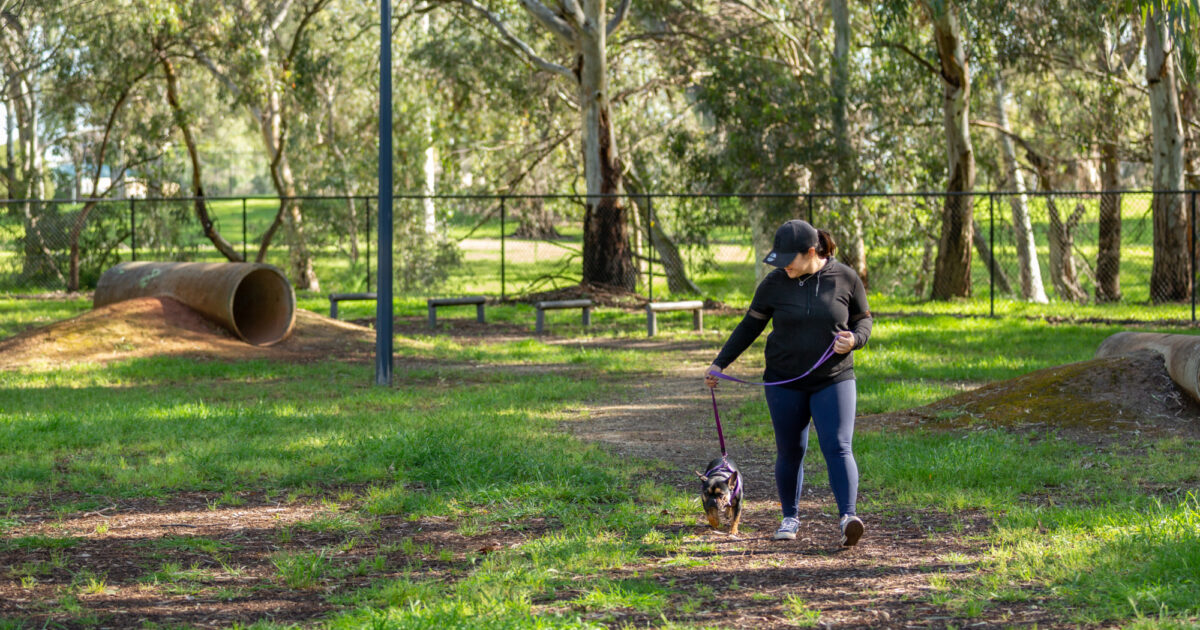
(793, 237)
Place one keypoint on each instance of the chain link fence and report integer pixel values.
(1131, 252)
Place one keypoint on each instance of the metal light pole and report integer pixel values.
(383, 300)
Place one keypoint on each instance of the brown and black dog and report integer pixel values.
(721, 491)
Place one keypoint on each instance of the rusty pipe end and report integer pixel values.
(263, 307)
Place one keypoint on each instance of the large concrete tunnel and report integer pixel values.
(254, 301)
(1181, 353)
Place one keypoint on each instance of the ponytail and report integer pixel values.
(826, 246)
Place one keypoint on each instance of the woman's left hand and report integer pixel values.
(844, 342)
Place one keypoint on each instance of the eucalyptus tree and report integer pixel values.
(581, 29)
(1169, 274)
(259, 51)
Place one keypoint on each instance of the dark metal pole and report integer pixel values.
(650, 254)
(368, 244)
(502, 257)
(383, 301)
(810, 208)
(133, 233)
(245, 256)
(992, 258)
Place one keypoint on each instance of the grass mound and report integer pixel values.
(161, 326)
(1095, 400)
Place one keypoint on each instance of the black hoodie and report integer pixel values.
(807, 312)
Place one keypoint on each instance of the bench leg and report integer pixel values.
(698, 320)
(433, 317)
(541, 321)
(333, 309)
(587, 316)
(651, 323)
(479, 313)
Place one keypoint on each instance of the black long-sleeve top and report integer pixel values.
(807, 312)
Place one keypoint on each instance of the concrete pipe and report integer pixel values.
(1181, 353)
(254, 301)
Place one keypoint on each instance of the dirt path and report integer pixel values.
(883, 582)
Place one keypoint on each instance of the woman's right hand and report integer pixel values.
(709, 379)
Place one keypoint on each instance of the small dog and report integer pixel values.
(721, 491)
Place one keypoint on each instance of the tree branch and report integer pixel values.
(575, 12)
(550, 20)
(524, 48)
(901, 47)
(617, 18)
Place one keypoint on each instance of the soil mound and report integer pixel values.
(1096, 400)
(157, 326)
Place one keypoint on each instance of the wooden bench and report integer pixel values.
(334, 298)
(542, 307)
(434, 303)
(653, 308)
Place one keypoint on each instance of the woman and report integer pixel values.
(814, 301)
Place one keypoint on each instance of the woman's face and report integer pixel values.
(804, 263)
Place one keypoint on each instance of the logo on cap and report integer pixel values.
(771, 257)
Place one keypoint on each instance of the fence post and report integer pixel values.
(992, 258)
(132, 230)
(810, 206)
(368, 199)
(245, 256)
(1192, 257)
(650, 254)
(502, 250)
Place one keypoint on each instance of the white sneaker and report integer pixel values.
(787, 529)
(852, 530)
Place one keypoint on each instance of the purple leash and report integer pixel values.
(717, 415)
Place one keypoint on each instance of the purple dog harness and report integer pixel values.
(724, 465)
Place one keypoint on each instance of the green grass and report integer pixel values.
(463, 437)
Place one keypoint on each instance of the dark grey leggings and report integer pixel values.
(832, 410)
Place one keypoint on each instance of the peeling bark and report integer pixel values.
(952, 269)
(1170, 280)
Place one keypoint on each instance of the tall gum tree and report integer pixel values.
(1169, 277)
(265, 41)
(952, 268)
(583, 28)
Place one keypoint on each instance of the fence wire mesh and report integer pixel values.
(1070, 249)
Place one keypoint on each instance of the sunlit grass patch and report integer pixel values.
(1116, 562)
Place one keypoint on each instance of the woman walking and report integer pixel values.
(814, 301)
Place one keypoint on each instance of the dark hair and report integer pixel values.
(826, 246)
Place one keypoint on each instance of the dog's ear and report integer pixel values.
(700, 475)
(733, 480)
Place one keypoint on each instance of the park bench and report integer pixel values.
(334, 298)
(654, 308)
(542, 307)
(434, 303)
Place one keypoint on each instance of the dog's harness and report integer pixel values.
(724, 465)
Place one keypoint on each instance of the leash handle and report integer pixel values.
(717, 415)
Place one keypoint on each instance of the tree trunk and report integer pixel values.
(290, 216)
(1108, 258)
(1030, 274)
(535, 220)
(1170, 280)
(607, 258)
(670, 261)
(952, 269)
(1062, 252)
(210, 231)
(847, 174)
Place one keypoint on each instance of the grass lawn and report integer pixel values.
(539, 529)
